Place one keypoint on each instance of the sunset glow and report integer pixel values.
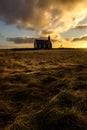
(60, 19)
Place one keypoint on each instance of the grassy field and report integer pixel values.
(43, 90)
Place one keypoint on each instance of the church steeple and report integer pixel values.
(49, 38)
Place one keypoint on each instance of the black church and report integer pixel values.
(42, 43)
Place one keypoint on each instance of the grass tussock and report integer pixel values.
(43, 90)
(53, 118)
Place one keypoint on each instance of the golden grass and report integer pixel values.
(43, 90)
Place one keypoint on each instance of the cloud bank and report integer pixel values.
(21, 40)
(80, 27)
(82, 38)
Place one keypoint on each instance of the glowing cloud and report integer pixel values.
(45, 17)
(82, 38)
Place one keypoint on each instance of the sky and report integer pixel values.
(22, 21)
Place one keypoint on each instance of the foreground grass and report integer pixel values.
(43, 90)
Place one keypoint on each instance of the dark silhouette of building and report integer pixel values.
(43, 43)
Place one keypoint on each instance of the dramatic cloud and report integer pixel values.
(20, 40)
(83, 26)
(45, 17)
(82, 38)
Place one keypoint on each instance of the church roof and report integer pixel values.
(42, 41)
